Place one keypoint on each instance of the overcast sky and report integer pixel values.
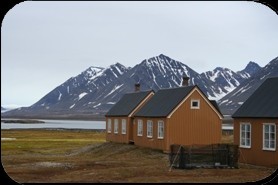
(43, 44)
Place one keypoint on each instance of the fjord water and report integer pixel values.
(57, 124)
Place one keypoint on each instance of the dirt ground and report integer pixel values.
(72, 156)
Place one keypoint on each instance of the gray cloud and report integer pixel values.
(45, 43)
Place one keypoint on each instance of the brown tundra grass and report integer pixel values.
(30, 156)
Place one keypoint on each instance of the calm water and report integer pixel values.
(64, 124)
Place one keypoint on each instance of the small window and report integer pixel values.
(195, 104)
(245, 135)
(123, 126)
(109, 126)
(140, 128)
(269, 136)
(116, 124)
(160, 129)
(149, 128)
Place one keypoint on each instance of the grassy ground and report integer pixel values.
(85, 156)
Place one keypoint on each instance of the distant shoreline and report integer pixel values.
(59, 129)
(58, 117)
(23, 121)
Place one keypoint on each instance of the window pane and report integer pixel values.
(266, 128)
(248, 128)
(248, 135)
(160, 129)
(266, 136)
(242, 128)
(123, 126)
(272, 128)
(109, 125)
(140, 128)
(266, 144)
(242, 135)
(242, 141)
(272, 144)
(247, 142)
(149, 128)
(272, 136)
(116, 126)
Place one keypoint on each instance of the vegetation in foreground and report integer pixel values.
(84, 156)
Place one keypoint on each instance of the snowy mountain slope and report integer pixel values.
(77, 90)
(249, 70)
(231, 102)
(96, 90)
(228, 80)
(163, 72)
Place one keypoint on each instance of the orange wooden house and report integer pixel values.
(181, 115)
(256, 126)
(119, 118)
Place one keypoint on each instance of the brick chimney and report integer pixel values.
(137, 87)
(185, 81)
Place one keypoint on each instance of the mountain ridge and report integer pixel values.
(95, 90)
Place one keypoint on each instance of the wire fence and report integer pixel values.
(207, 156)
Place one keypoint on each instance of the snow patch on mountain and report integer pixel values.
(113, 90)
(82, 95)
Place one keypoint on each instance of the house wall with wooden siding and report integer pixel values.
(194, 126)
(256, 155)
(128, 137)
(153, 142)
(186, 126)
(119, 137)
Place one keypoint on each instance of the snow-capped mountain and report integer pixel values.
(76, 92)
(232, 101)
(96, 90)
(3, 109)
(249, 70)
(163, 72)
(228, 80)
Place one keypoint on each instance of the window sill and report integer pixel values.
(245, 146)
(269, 149)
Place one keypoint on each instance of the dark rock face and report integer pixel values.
(96, 90)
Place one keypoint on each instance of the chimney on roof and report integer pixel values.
(185, 81)
(137, 87)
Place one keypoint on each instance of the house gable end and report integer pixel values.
(196, 89)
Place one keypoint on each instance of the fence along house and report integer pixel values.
(119, 118)
(256, 125)
(181, 116)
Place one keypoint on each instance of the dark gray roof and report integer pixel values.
(215, 105)
(263, 103)
(127, 103)
(163, 102)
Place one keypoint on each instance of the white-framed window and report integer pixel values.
(245, 135)
(109, 125)
(269, 136)
(195, 104)
(160, 129)
(116, 126)
(123, 126)
(150, 128)
(140, 128)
